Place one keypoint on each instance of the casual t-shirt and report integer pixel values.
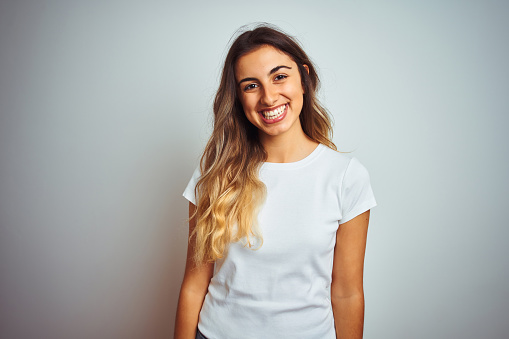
(282, 289)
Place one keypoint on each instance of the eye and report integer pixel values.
(250, 87)
(280, 77)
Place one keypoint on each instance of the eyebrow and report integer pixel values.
(272, 71)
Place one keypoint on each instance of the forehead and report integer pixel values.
(260, 61)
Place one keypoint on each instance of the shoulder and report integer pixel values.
(340, 166)
(333, 154)
(189, 192)
(334, 160)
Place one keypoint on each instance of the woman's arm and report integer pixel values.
(347, 293)
(193, 290)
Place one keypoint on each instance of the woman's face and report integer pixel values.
(270, 89)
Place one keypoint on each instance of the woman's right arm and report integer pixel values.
(193, 290)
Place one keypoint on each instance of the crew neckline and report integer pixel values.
(296, 164)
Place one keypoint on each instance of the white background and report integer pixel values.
(105, 108)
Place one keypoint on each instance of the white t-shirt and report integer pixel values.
(282, 290)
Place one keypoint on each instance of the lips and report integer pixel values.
(274, 115)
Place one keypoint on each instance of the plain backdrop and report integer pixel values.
(105, 108)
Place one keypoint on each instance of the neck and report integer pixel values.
(289, 147)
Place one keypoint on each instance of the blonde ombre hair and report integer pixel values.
(229, 191)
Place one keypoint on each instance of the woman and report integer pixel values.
(278, 218)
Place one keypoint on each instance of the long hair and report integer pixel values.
(229, 191)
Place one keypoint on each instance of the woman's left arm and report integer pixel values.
(347, 293)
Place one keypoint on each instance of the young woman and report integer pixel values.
(278, 217)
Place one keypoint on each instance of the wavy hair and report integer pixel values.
(229, 192)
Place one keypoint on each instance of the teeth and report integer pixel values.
(276, 113)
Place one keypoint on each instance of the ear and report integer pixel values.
(307, 69)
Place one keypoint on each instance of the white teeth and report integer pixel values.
(276, 113)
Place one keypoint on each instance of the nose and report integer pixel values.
(269, 95)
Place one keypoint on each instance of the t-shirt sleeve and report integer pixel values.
(189, 192)
(356, 193)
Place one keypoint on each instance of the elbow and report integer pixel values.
(356, 298)
(354, 295)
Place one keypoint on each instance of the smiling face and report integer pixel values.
(270, 90)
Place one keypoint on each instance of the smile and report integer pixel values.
(274, 114)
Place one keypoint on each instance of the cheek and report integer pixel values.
(248, 107)
(251, 115)
(299, 88)
(248, 103)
